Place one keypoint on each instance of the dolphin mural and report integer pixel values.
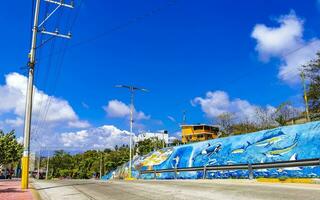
(157, 157)
(282, 150)
(241, 149)
(269, 140)
(294, 142)
(209, 150)
(293, 157)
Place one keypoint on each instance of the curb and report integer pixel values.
(289, 180)
(35, 193)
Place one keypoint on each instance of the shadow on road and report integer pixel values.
(58, 186)
(13, 190)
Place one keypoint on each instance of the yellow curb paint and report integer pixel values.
(35, 194)
(130, 179)
(286, 180)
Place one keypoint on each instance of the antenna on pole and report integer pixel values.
(29, 95)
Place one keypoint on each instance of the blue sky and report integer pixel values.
(198, 56)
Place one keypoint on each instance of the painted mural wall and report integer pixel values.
(296, 142)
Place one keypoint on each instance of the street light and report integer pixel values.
(132, 89)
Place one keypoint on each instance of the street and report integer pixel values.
(174, 189)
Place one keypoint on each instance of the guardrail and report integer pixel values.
(250, 167)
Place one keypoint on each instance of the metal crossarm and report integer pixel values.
(57, 34)
(60, 3)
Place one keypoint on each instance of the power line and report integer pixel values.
(46, 71)
(299, 48)
(128, 23)
(45, 109)
(119, 27)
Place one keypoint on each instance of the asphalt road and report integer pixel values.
(175, 189)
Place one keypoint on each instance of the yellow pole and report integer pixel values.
(25, 172)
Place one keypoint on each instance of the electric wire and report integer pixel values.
(42, 105)
(47, 105)
(34, 130)
(137, 19)
(129, 22)
(58, 72)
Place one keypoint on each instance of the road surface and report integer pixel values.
(175, 189)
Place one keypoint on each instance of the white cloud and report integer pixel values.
(118, 109)
(20, 140)
(106, 136)
(218, 102)
(79, 124)
(13, 96)
(14, 122)
(289, 72)
(286, 42)
(273, 41)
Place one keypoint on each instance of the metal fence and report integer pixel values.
(249, 167)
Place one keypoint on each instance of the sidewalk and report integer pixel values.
(11, 190)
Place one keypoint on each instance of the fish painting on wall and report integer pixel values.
(295, 142)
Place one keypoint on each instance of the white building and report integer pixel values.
(160, 135)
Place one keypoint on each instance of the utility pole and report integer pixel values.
(27, 120)
(100, 164)
(29, 95)
(305, 95)
(39, 162)
(132, 89)
(47, 170)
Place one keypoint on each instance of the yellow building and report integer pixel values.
(199, 132)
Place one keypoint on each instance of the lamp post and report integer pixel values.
(132, 89)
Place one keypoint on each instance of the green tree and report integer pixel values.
(146, 146)
(312, 72)
(10, 149)
(176, 142)
(60, 161)
(84, 165)
(116, 158)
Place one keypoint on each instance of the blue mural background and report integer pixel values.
(295, 142)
